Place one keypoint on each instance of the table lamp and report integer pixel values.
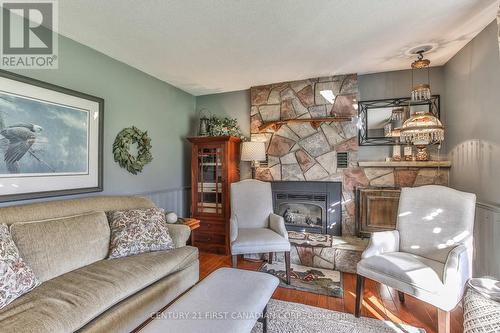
(253, 151)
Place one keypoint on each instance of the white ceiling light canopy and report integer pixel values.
(422, 48)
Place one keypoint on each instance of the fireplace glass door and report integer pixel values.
(302, 214)
(309, 206)
(210, 180)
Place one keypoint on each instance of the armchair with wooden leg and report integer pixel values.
(429, 254)
(254, 228)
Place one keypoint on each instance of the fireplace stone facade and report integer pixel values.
(300, 152)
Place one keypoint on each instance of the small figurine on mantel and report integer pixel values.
(408, 153)
(396, 153)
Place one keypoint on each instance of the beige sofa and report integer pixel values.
(66, 244)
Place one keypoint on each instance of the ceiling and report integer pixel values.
(212, 46)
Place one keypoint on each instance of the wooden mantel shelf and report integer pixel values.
(315, 122)
(405, 164)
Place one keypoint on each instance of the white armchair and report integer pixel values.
(254, 228)
(429, 254)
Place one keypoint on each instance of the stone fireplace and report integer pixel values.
(313, 207)
(305, 157)
(301, 152)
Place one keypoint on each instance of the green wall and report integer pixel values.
(131, 98)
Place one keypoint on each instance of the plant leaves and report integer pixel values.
(121, 147)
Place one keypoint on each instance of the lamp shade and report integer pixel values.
(253, 151)
(422, 129)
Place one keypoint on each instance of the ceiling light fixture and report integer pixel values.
(422, 128)
(421, 92)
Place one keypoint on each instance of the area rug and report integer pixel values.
(307, 239)
(313, 280)
(288, 317)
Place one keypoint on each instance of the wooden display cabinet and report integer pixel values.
(214, 166)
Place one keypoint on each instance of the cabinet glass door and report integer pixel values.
(209, 180)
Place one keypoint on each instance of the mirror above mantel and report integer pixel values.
(379, 120)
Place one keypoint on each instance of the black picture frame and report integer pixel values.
(100, 138)
(363, 113)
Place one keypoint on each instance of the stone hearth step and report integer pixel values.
(343, 254)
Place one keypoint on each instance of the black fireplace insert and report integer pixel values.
(309, 206)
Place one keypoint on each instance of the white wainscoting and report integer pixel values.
(487, 241)
(176, 200)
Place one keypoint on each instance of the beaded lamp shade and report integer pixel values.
(422, 129)
(421, 92)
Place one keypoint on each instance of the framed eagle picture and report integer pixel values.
(51, 139)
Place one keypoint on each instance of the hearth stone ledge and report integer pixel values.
(343, 255)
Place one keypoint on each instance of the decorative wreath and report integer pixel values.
(121, 147)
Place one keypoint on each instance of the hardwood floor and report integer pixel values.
(379, 301)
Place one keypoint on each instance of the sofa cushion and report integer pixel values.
(137, 231)
(130, 313)
(62, 208)
(16, 277)
(68, 302)
(57, 246)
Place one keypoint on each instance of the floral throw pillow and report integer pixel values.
(16, 277)
(137, 231)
